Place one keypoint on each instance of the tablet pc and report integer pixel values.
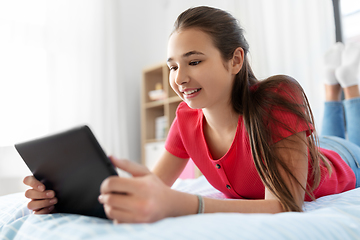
(73, 164)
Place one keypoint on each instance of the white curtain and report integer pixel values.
(290, 37)
(59, 69)
(23, 95)
(83, 71)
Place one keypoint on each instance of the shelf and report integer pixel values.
(154, 104)
(154, 68)
(174, 99)
(154, 140)
(152, 111)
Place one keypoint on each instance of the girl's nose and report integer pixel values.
(181, 77)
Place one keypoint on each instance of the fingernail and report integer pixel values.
(100, 198)
(41, 187)
(50, 194)
(53, 201)
(51, 208)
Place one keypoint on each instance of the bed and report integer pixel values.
(331, 217)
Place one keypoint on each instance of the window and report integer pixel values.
(350, 19)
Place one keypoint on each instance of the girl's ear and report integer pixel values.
(237, 60)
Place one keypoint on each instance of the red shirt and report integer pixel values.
(235, 174)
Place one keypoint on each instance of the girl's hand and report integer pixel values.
(42, 201)
(143, 198)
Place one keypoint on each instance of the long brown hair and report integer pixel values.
(255, 100)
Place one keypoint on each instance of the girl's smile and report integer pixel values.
(190, 93)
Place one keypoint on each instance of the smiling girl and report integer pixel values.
(252, 140)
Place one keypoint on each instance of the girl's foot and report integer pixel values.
(332, 92)
(332, 60)
(347, 73)
(351, 92)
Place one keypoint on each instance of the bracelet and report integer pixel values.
(201, 208)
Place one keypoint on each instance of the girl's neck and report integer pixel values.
(221, 120)
(219, 130)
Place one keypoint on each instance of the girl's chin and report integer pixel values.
(192, 104)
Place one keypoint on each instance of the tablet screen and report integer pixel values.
(73, 164)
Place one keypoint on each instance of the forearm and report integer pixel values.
(169, 168)
(186, 204)
(242, 206)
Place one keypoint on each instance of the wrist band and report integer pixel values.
(201, 208)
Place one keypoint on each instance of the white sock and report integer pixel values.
(347, 73)
(332, 60)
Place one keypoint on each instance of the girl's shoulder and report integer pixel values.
(283, 86)
(276, 83)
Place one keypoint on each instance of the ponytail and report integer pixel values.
(279, 92)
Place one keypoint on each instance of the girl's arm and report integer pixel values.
(169, 167)
(291, 150)
(146, 198)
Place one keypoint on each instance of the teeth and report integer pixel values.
(191, 91)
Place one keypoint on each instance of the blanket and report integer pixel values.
(330, 217)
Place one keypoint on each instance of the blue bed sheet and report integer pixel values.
(331, 217)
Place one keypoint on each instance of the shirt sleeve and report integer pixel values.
(286, 123)
(290, 124)
(174, 142)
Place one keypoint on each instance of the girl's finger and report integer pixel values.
(34, 183)
(35, 194)
(133, 168)
(37, 205)
(46, 210)
(115, 184)
(118, 201)
(120, 216)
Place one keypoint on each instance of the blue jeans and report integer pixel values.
(342, 119)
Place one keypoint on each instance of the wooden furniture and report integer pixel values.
(156, 111)
(159, 109)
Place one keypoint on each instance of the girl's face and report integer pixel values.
(198, 73)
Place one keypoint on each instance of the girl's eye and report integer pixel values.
(172, 68)
(194, 63)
